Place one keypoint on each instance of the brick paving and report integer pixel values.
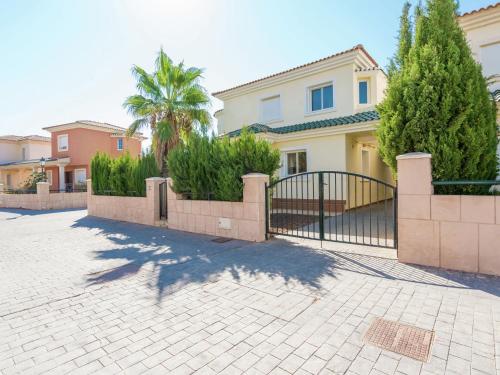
(83, 295)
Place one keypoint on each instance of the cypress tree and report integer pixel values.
(437, 100)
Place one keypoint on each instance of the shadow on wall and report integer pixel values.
(178, 259)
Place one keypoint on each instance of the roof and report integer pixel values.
(31, 161)
(18, 138)
(358, 47)
(336, 121)
(492, 6)
(91, 124)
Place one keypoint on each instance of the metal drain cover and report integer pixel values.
(400, 338)
(221, 239)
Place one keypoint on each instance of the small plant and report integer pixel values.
(33, 179)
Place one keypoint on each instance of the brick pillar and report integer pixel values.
(254, 200)
(153, 199)
(418, 235)
(90, 203)
(43, 194)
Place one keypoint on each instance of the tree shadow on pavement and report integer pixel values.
(179, 258)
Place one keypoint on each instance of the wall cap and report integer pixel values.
(255, 175)
(42, 183)
(414, 155)
(155, 179)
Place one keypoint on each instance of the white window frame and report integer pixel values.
(59, 144)
(368, 96)
(118, 144)
(284, 158)
(309, 91)
(261, 109)
(75, 172)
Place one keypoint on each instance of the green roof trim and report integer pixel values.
(336, 121)
(496, 95)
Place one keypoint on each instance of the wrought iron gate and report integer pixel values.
(333, 206)
(163, 201)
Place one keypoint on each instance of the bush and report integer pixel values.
(122, 176)
(212, 167)
(437, 100)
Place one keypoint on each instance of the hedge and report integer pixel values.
(211, 168)
(123, 176)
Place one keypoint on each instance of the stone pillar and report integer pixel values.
(418, 235)
(153, 199)
(254, 200)
(1, 188)
(43, 194)
(90, 204)
(62, 184)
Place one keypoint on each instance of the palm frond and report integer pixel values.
(136, 125)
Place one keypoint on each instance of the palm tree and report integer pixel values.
(171, 102)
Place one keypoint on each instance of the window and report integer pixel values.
(363, 92)
(80, 176)
(296, 162)
(271, 109)
(119, 144)
(62, 142)
(321, 98)
(48, 174)
(365, 162)
(9, 181)
(24, 153)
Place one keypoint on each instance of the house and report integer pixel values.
(320, 115)
(20, 156)
(71, 146)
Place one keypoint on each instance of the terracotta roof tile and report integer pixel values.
(492, 6)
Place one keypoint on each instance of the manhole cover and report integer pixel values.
(400, 338)
(221, 239)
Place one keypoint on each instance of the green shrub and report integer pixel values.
(212, 167)
(123, 175)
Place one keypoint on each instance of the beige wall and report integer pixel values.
(240, 220)
(9, 151)
(12, 150)
(482, 31)
(43, 200)
(449, 231)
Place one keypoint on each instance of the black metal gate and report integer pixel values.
(333, 206)
(163, 201)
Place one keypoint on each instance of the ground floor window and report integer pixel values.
(9, 181)
(296, 162)
(48, 174)
(80, 176)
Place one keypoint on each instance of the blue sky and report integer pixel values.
(70, 60)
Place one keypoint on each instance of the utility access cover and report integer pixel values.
(400, 338)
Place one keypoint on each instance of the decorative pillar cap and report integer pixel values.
(414, 155)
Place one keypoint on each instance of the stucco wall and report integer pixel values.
(240, 220)
(9, 151)
(449, 231)
(84, 143)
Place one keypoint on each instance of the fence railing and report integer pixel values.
(473, 187)
(72, 190)
(20, 191)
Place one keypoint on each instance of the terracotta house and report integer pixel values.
(74, 144)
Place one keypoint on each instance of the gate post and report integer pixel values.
(153, 197)
(321, 207)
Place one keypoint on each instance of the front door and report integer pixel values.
(68, 180)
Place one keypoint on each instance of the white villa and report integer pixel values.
(321, 115)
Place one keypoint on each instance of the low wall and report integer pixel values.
(140, 210)
(459, 232)
(240, 220)
(43, 200)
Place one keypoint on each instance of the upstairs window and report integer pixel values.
(363, 92)
(62, 142)
(119, 144)
(24, 153)
(271, 109)
(322, 98)
(296, 162)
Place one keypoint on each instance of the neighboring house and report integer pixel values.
(70, 149)
(320, 115)
(20, 156)
(482, 30)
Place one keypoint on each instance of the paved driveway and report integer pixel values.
(83, 295)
